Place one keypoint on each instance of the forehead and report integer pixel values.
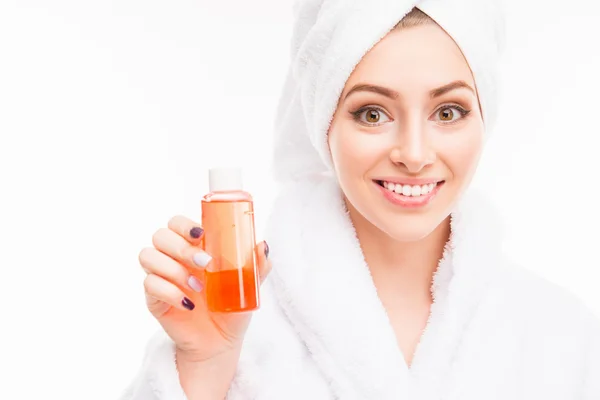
(421, 57)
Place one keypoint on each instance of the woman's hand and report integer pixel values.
(174, 294)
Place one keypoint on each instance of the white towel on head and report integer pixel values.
(329, 39)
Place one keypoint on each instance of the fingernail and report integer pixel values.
(266, 249)
(187, 303)
(202, 259)
(196, 232)
(194, 283)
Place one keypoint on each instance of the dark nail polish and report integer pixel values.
(266, 250)
(196, 232)
(187, 303)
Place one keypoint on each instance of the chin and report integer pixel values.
(410, 230)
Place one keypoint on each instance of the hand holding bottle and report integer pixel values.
(174, 295)
(206, 332)
(174, 289)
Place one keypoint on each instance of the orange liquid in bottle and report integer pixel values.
(232, 290)
(229, 237)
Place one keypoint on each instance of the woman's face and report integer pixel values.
(407, 134)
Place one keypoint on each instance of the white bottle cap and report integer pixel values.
(224, 178)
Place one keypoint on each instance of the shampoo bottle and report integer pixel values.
(232, 283)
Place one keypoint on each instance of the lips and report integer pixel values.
(413, 195)
(408, 190)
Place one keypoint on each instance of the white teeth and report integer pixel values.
(409, 190)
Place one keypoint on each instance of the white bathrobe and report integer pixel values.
(496, 331)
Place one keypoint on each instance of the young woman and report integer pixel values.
(388, 278)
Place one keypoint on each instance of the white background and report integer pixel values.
(111, 111)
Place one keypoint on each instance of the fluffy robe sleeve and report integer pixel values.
(157, 378)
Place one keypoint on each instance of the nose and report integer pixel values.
(412, 148)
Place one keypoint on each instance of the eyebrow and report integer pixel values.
(450, 87)
(392, 94)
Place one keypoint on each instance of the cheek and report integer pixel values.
(461, 155)
(354, 154)
(353, 150)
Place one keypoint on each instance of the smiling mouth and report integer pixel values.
(409, 190)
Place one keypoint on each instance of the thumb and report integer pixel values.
(264, 263)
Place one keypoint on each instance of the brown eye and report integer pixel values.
(450, 114)
(446, 114)
(372, 116)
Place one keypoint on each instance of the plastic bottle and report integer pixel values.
(229, 237)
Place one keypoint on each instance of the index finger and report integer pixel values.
(186, 228)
